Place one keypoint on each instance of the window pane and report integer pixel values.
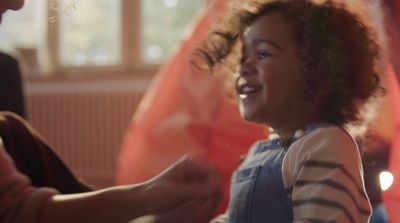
(90, 33)
(24, 31)
(163, 25)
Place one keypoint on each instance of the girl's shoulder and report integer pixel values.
(327, 146)
(324, 135)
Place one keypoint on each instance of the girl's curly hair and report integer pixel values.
(339, 53)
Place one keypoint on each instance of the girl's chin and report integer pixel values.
(253, 117)
(248, 117)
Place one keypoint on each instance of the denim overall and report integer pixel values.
(257, 190)
(258, 194)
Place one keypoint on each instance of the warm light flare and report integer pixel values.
(386, 180)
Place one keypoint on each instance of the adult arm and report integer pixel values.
(188, 183)
(187, 187)
(19, 201)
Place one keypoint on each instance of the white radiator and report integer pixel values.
(84, 122)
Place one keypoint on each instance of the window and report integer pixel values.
(71, 36)
(90, 33)
(164, 22)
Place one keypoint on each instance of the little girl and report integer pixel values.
(307, 70)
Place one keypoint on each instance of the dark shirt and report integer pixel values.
(11, 87)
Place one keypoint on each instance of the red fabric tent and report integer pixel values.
(392, 196)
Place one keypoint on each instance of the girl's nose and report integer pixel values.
(246, 68)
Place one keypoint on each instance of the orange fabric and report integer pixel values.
(392, 196)
(186, 111)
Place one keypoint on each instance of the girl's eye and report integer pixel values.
(259, 55)
(263, 55)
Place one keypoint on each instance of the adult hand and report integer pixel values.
(188, 188)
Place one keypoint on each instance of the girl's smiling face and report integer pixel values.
(270, 83)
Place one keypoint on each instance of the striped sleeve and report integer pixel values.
(324, 177)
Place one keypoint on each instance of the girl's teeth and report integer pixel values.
(249, 89)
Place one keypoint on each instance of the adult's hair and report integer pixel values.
(338, 51)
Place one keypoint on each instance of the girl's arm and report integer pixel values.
(325, 172)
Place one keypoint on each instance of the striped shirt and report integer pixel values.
(323, 175)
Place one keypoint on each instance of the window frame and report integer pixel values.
(48, 46)
(131, 61)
